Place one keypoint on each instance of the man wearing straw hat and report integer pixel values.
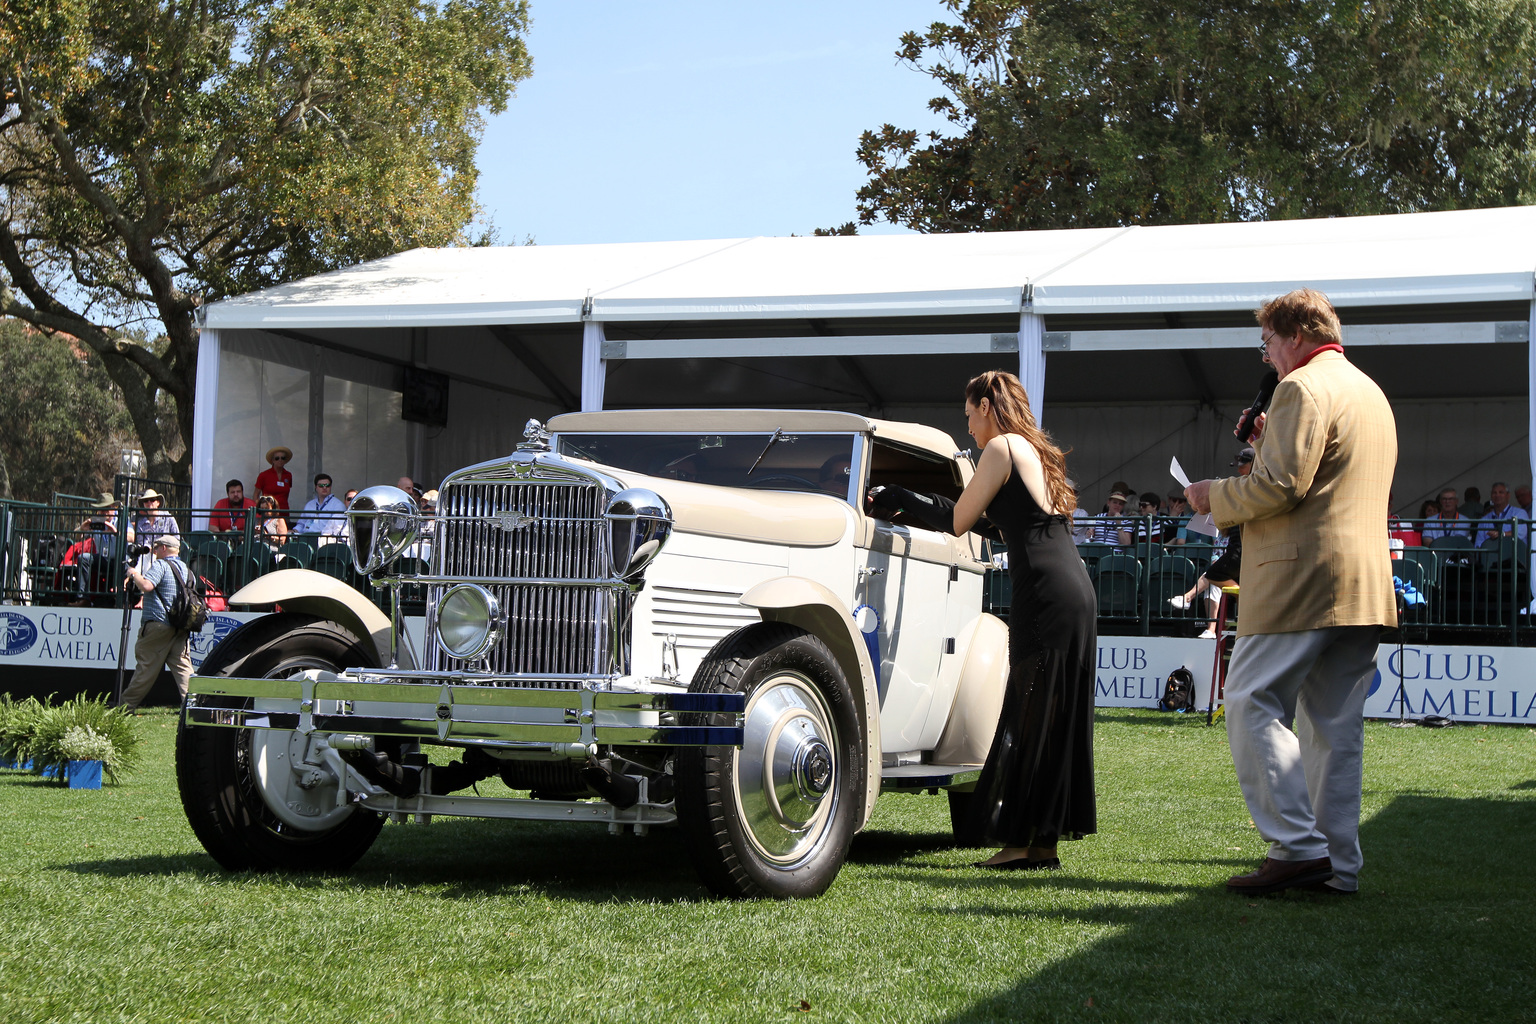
(276, 481)
(96, 550)
(153, 521)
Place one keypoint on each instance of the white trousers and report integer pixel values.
(1303, 787)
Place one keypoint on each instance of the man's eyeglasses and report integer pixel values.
(322, 487)
(1264, 339)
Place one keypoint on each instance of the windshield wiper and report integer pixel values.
(778, 435)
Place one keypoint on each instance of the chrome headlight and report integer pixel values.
(384, 524)
(639, 522)
(469, 621)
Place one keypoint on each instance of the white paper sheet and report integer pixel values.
(1178, 472)
(1202, 523)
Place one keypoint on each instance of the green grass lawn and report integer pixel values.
(111, 911)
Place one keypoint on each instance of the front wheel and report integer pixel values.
(252, 796)
(774, 818)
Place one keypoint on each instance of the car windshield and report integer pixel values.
(783, 460)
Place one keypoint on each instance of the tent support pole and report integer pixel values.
(204, 423)
(1032, 361)
(594, 370)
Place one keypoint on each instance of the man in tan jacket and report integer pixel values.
(1317, 590)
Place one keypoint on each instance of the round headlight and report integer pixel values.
(469, 621)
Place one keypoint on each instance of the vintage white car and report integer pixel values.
(639, 618)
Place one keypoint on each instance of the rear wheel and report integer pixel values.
(251, 796)
(774, 818)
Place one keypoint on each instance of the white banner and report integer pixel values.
(89, 637)
(1468, 684)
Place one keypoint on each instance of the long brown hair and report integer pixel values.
(1010, 404)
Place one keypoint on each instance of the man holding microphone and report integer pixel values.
(1317, 590)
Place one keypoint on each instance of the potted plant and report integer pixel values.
(18, 723)
(87, 752)
(83, 729)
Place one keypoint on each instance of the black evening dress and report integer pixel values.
(1037, 786)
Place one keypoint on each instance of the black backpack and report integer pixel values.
(1178, 691)
(189, 608)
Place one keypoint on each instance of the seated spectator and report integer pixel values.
(229, 511)
(92, 554)
(1225, 569)
(274, 528)
(1496, 523)
(346, 524)
(1111, 527)
(408, 485)
(1118, 487)
(1472, 507)
(1429, 510)
(323, 515)
(1082, 520)
(153, 522)
(275, 480)
(1448, 521)
(1401, 531)
(422, 549)
(1523, 499)
(1178, 512)
(1149, 527)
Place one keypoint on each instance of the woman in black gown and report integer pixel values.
(1037, 786)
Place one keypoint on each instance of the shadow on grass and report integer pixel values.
(1392, 953)
(456, 857)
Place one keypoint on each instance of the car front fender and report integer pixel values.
(315, 593)
(814, 608)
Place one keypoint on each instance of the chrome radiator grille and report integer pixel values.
(533, 530)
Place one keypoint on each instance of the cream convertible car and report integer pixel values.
(637, 619)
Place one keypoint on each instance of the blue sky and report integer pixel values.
(677, 120)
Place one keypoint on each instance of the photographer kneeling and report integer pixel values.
(159, 643)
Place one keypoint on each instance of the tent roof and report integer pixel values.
(1451, 257)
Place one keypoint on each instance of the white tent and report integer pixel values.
(1147, 332)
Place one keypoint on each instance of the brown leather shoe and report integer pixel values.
(1279, 875)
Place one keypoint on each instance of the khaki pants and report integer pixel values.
(159, 644)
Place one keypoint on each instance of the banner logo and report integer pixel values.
(17, 633)
(201, 644)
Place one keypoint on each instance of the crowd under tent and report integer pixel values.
(1139, 341)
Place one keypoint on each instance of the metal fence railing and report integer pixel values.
(1466, 580)
(75, 555)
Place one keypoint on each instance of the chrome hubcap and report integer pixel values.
(785, 771)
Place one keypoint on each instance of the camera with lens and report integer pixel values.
(135, 552)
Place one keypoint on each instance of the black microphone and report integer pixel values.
(1251, 417)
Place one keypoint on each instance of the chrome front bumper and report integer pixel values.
(572, 723)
